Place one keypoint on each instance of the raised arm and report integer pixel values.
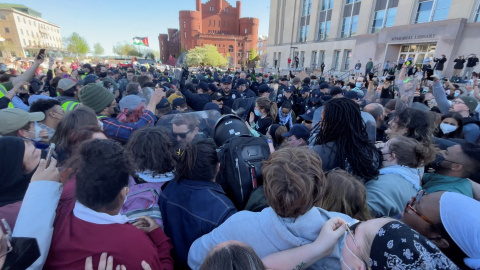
(29, 73)
(304, 256)
(440, 96)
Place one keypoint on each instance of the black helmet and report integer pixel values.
(227, 127)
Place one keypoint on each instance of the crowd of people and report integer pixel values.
(110, 167)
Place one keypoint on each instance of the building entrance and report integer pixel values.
(418, 52)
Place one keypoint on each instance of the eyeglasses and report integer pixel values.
(181, 135)
(457, 101)
(351, 232)
(7, 234)
(412, 201)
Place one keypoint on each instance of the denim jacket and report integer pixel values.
(189, 210)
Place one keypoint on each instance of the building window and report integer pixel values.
(230, 48)
(302, 59)
(304, 20)
(24, 21)
(18, 18)
(34, 23)
(13, 54)
(260, 52)
(24, 43)
(212, 9)
(321, 57)
(7, 30)
(384, 15)
(185, 34)
(314, 59)
(30, 22)
(21, 31)
(226, 10)
(327, 4)
(3, 17)
(350, 18)
(477, 14)
(245, 31)
(348, 55)
(432, 10)
(184, 25)
(351, 1)
(323, 30)
(336, 59)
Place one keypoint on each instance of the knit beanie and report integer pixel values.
(96, 97)
(172, 97)
(471, 102)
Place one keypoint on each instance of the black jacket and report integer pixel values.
(440, 62)
(459, 63)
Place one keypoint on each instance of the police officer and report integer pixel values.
(219, 99)
(242, 88)
(68, 90)
(197, 101)
(227, 92)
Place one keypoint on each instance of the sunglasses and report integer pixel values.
(351, 231)
(411, 203)
(181, 135)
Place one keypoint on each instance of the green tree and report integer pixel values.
(98, 49)
(77, 44)
(126, 49)
(253, 56)
(206, 55)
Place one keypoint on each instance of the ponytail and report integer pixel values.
(273, 110)
(198, 161)
(270, 107)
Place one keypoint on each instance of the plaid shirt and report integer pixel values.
(121, 132)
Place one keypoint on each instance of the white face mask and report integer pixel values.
(37, 132)
(447, 128)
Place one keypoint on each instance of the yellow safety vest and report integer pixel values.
(69, 105)
(3, 92)
(101, 116)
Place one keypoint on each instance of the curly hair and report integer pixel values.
(418, 123)
(198, 162)
(101, 173)
(342, 123)
(293, 180)
(151, 148)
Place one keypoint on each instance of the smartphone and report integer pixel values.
(49, 154)
(429, 73)
(41, 52)
(408, 63)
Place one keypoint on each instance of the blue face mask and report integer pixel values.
(257, 113)
(358, 84)
(456, 94)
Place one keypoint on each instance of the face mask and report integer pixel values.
(446, 128)
(284, 114)
(358, 84)
(102, 74)
(257, 113)
(37, 132)
(456, 94)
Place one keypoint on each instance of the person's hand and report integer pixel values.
(146, 224)
(106, 263)
(49, 173)
(331, 231)
(156, 97)
(435, 78)
(248, 125)
(19, 87)
(43, 134)
(39, 59)
(251, 118)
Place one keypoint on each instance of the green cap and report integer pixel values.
(13, 119)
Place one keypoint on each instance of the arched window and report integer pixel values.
(230, 48)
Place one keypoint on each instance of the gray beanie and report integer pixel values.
(96, 97)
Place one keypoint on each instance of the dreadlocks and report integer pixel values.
(342, 123)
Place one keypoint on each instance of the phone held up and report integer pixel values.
(40, 53)
(50, 153)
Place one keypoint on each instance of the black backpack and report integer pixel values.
(241, 167)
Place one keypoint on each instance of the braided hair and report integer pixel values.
(342, 123)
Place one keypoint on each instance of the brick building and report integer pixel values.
(217, 23)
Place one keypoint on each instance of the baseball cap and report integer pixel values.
(304, 90)
(143, 69)
(178, 102)
(211, 106)
(66, 84)
(13, 119)
(315, 96)
(130, 102)
(227, 79)
(90, 78)
(351, 95)
(308, 116)
(289, 89)
(212, 87)
(163, 104)
(284, 79)
(324, 85)
(264, 88)
(241, 82)
(299, 130)
(217, 96)
(471, 102)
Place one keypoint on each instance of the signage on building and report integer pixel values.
(402, 38)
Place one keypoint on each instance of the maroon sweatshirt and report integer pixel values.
(74, 240)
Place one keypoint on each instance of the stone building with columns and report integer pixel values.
(341, 32)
